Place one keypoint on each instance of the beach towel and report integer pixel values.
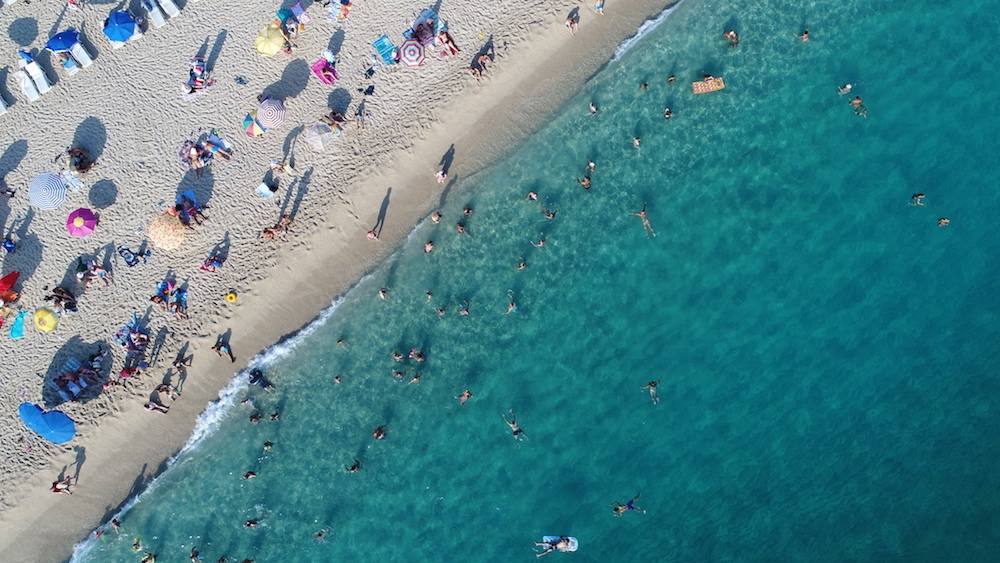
(17, 327)
(324, 71)
(385, 49)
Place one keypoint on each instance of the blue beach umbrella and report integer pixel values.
(63, 41)
(54, 426)
(120, 26)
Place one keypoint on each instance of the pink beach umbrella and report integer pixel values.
(411, 52)
(81, 222)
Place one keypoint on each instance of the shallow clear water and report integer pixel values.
(827, 354)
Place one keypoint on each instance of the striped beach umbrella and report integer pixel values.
(411, 52)
(271, 113)
(47, 190)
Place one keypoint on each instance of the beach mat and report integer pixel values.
(708, 85)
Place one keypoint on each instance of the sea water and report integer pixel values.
(827, 355)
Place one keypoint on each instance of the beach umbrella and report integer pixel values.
(270, 41)
(54, 426)
(120, 26)
(271, 113)
(46, 320)
(81, 222)
(166, 232)
(47, 190)
(320, 135)
(411, 52)
(251, 126)
(63, 41)
(7, 282)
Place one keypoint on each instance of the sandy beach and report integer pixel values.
(127, 110)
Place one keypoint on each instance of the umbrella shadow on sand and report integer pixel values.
(28, 255)
(74, 349)
(23, 31)
(339, 100)
(293, 81)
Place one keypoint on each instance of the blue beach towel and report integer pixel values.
(385, 49)
(17, 327)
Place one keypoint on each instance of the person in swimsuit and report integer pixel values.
(416, 379)
(944, 222)
(383, 293)
(379, 433)
(250, 524)
(620, 509)
(667, 113)
(249, 475)
(428, 247)
(651, 387)
(593, 108)
(320, 536)
(521, 265)
(733, 37)
(917, 199)
(465, 396)
(268, 445)
(539, 244)
(585, 182)
(354, 467)
(646, 225)
(515, 429)
(804, 36)
(562, 544)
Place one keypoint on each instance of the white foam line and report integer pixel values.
(645, 29)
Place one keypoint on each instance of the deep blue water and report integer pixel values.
(827, 354)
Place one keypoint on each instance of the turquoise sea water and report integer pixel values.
(827, 355)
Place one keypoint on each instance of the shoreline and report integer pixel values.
(511, 103)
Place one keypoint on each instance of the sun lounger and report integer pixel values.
(3, 110)
(710, 84)
(80, 55)
(169, 7)
(27, 86)
(156, 16)
(37, 75)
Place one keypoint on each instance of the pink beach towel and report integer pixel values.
(325, 71)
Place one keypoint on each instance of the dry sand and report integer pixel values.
(127, 108)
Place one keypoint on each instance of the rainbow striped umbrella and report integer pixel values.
(251, 126)
(411, 52)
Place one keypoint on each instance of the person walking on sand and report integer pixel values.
(599, 7)
(651, 387)
(572, 24)
(642, 214)
(222, 347)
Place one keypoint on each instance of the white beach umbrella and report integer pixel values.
(320, 135)
(47, 190)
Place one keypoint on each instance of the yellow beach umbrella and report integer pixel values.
(46, 320)
(270, 41)
(166, 232)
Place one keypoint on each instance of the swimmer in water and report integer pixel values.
(804, 36)
(275, 416)
(845, 89)
(562, 544)
(732, 36)
(511, 306)
(465, 396)
(585, 182)
(436, 217)
(268, 445)
(539, 244)
(467, 211)
(383, 293)
(463, 311)
(136, 544)
(337, 380)
(651, 387)
(636, 141)
(521, 265)
(591, 166)
(944, 222)
(149, 557)
(593, 108)
(620, 509)
(671, 79)
(249, 475)
(255, 418)
(642, 214)
(416, 379)
(460, 228)
(250, 524)
(398, 356)
(440, 311)
(194, 555)
(548, 214)
(379, 433)
(116, 525)
(398, 374)
(341, 343)
(643, 87)
(917, 199)
(515, 429)
(532, 196)
(416, 355)
(429, 295)
(320, 536)
(428, 247)
(667, 113)
(859, 106)
(354, 467)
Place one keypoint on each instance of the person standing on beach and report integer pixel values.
(222, 347)
(642, 214)
(599, 7)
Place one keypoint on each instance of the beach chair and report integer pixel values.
(80, 55)
(156, 17)
(3, 110)
(58, 390)
(27, 86)
(385, 49)
(38, 76)
(169, 8)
